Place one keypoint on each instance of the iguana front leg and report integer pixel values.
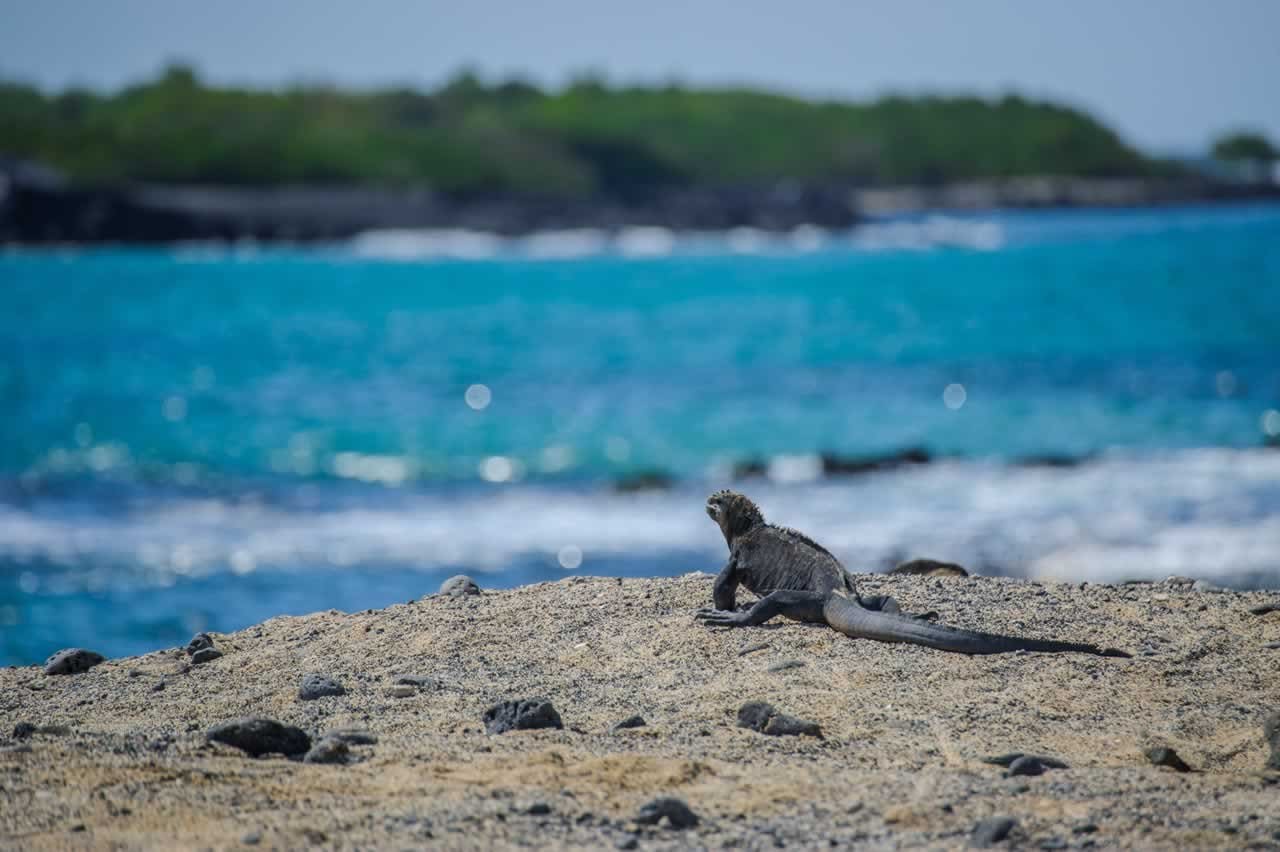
(725, 592)
(802, 606)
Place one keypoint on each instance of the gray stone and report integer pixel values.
(328, 750)
(1264, 609)
(521, 715)
(23, 730)
(783, 725)
(319, 686)
(763, 717)
(459, 586)
(630, 722)
(783, 665)
(991, 831)
(352, 736)
(1162, 756)
(1012, 757)
(420, 681)
(1206, 586)
(199, 642)
(259, 736)
(253, 838)
(1026, 765)
(1271, 730)
(205, 655)
(71, 661)
(754, 715)
(675, 811)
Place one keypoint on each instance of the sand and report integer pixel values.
(125, 765)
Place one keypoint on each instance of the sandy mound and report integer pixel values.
(120, 760)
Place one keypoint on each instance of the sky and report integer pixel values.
(1168, 74)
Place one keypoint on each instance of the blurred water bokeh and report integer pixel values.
(203, 437)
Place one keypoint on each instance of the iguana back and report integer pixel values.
(770, 557)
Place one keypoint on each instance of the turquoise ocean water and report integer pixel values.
(202, 437)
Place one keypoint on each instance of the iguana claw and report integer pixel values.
(719, 617)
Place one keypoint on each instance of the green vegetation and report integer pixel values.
(588, 139)
(1246, 146)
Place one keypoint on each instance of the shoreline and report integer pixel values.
(40, 208)
(120, 755)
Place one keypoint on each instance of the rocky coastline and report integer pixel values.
(38, 206)
(596, 713)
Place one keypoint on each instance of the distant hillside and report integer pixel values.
(586, 141)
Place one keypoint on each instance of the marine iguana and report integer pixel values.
(798, 578)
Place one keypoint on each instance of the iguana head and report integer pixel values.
(734, 513)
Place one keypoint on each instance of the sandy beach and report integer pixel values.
(119, 756)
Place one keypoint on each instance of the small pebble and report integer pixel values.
(1026, 765)
(253, 838)
(1011, 757)
(23, 730)
(204, 655)
(401, 691)
(751, 649)
(258, 736)
(675, 811)
(538, 809)
(328, 751)
(319, 686)
(991, 831)
(521, 715)
(352, 736)
(763, 717)
(783, 665)
(630, 722)
(1161, 756)
(1271, 731)
(420, 681)
(199, 642)
(71, 661)
(459, 586)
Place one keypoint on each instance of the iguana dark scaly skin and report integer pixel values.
(798, 578)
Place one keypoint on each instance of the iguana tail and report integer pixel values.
(846, 616)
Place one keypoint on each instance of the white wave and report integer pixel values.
(645, 242)
(414, 244)
(563, 245)
(932, 233)
(1208, 513)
